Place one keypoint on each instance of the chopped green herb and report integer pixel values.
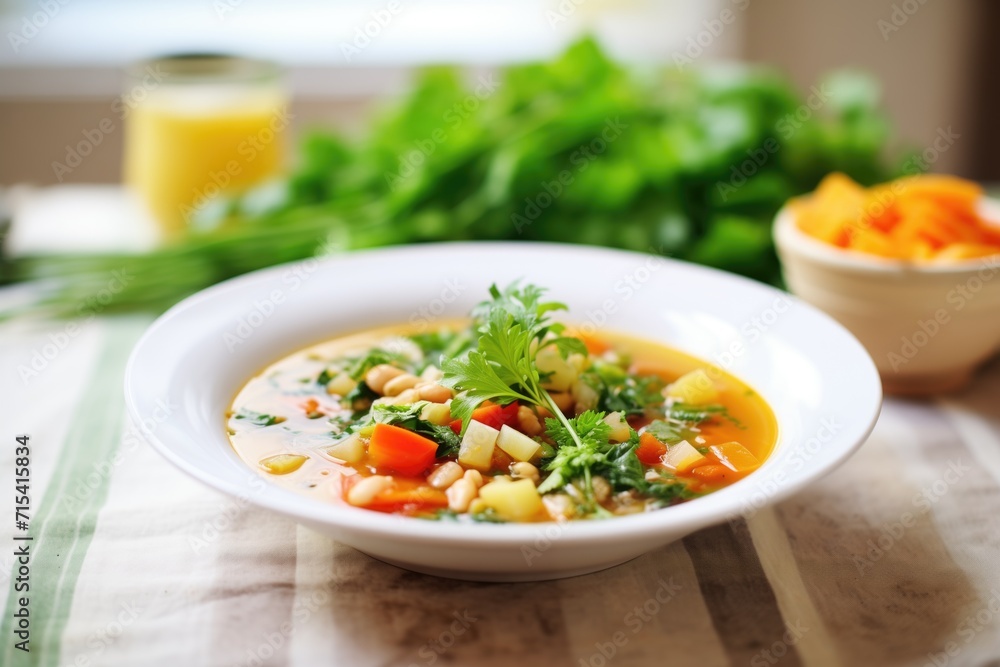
(488, 515)
(258, 418)
(669, 432)
(696, 414)
(441, 344)
(576, 456)
(622, 468)
(628, 394)
(360, 399)
(361, 365)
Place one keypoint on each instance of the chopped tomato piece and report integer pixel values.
(396, 449)
(493, 416)
(650, 450)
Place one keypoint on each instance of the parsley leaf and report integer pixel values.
(695, 414)
(668, 492)
(511, 327)
(442, 344)
(258, 418)
(360, 399)
(669, 432)
(568, 345)
(478, 380)
(629, 394)
(375, 357)
(576, 456)
(623, 469)
(625, 472)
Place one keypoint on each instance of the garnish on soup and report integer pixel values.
(510, 417)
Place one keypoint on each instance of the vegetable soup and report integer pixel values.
(507, 417)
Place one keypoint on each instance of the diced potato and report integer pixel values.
(735, 456)
(513, 501)
(519, 446)
(695, 388)
(563, 373)
(349, 450)
(683, 456)
(478, 506)
(436, 413)
(579, 362)
(476, 450)
(585, 396)
(341, 385)
(282, 464)
(620, 431)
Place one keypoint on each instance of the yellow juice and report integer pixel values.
(187, 145)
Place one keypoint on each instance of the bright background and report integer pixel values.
(938, 69)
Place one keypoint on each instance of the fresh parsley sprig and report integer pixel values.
(577, 456)
(512, 326)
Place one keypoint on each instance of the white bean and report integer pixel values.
(460, 495)
(399, 384)
(377, 376)
(365, 491)
(445, 476)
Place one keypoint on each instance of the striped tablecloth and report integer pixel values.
(892, 560)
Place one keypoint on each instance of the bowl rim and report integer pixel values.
(714, 508)
(789, 238)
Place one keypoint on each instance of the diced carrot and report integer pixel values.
(735, 456)
(311, 406)
(650, 450)
(397, 449)
(594, 344)
(713, 474)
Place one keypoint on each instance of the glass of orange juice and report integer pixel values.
(201, 127)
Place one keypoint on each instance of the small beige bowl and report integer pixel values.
(927, 326)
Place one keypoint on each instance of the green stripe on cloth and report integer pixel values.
(64, 523)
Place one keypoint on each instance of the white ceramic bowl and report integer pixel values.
(926, 326)
(818, 379)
